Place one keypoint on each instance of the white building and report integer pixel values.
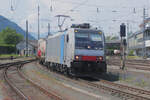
(32, 47)
(136, 43)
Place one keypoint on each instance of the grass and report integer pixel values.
(128, 80)
(8, 55)
(107, 57)
(14, 55)
(7, 45)
(142, 83)
(133, 57)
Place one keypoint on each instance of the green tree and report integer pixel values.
(115, 38)
(108, 38)
(131, 53)
(10, 36)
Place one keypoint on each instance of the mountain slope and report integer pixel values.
(4, 22)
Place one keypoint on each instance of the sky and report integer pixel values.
(105, 14)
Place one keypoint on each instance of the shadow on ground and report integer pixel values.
(109, 76)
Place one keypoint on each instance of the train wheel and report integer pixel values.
(48, 65)
(65, 71)
(61, 69)
(102, 67)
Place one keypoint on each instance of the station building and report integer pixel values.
(32, 47)
(135, 40)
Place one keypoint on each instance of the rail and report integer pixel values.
(124, 94)
(137, 95)
(49, 94)
(19, 65)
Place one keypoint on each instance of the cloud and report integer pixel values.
(32, 18)
(57, 5)
(28, 10)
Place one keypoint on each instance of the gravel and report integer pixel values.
(5, 92)
(67, 89)
(131, 77)
(26, 87)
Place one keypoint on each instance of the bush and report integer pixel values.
(9, 36)
(7, 49)
(131, 53)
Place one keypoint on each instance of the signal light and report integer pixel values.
(76, 31)
(100, 32)
(122, 30)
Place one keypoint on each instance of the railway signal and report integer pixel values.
(123, 44)
(123, 30)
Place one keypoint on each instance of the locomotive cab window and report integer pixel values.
(84, 40)
(96, 37)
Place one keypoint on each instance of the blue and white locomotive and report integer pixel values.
(78, 51)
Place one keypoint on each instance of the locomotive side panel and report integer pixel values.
(53, 48)
(60, 48)
(69, 47)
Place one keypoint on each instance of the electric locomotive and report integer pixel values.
(78, 51)
(89, 50)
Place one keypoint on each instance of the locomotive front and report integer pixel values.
(89, 51)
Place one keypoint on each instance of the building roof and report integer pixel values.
(140, 31)
(32, 43)
(136, 33)
(113, 41)
(147, 20)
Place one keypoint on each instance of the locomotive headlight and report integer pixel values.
(77, 57)
(88, 47)
(100, 58)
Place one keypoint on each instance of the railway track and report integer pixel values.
(124, 91)
(119, 89)
(15, 63)
(115, 91)
(140, 91)
(142, 61)
(9, 58)
(130, 63)
(19, 83)
(15, 89)
(134, 66)
(144, 65)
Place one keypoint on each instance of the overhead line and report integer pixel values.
(75, 7)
